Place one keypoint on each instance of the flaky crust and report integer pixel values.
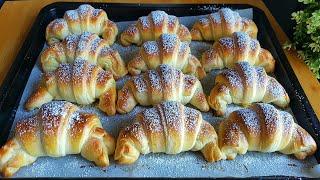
(246, 84)
(149, 28)
(56, 130)
(264, 128)
(169, 127)
(222, 24)
(240, 47)
(80, 82)
(168, 49)
(86, 46)
(163, 84)
(84, 19)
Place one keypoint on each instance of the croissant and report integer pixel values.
(168, 49)
(163, 84)
(222, 24)
(240, 47)
(263, 128)
(150, 27)
(85, 18)
(86, 46)
(169, 127)
(244, 85)
(56, 130)
(81, 82)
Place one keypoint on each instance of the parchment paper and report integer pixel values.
(188, 164)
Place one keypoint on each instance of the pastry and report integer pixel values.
(58, 129)
(222, 24)
(246, 84)
(163, 84)
(168, 49)
(81, 82)
(168, 127)
(150, 27)
(87, 46)
(85, 18)
(263, 128)
(240, 47)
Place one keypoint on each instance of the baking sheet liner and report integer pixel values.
(187, 164)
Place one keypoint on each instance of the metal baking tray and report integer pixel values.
(18, 75)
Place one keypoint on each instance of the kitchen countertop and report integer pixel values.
(17, 18)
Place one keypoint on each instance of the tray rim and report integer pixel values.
(6, 86)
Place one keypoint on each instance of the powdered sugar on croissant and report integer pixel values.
(240, 47)
(169, 127)
(81, 82)
(244, 85)
(150, 27)
(85, 18)
(168, 49)
(58, 129)
(87, 46)
(222, 24)
(264, 128)
(163, 84)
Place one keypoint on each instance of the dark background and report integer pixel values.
(281, 10)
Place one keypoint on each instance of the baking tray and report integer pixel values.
(18, 75)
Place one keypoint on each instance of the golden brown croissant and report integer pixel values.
(169, 127)
(263, 128)
(240, 47)
(87, 46)
(150, 27)
(56, 130)
(222, 24)
(163, 84)
(244, 85)
(81, 82)
(168, 49)
(85, 18)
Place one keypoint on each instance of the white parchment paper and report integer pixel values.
(188, 164)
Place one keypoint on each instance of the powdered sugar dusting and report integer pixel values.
(172, 114)
(72, 15)
(192, 118)
(216, 18)
(228, 15)
(158, 17)
(84, 9)
(250, 120)
(169, 42)
(172, 20)
(151, 47)
(144, 22)
(271, 119)
(71, 41)
(233, 78)
(248, 73)
(242, 39)
(275, 89)
(64, 73)
(151, 120)
(154, 79)
(226, 42)
(27, 126)
(140, 83)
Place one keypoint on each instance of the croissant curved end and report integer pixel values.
(107, 101)
(211, 60)
(110, 31)
(219, 98)
(12, 158)
(212, 153)
(184, 33)
(196, 34)
(125, 152)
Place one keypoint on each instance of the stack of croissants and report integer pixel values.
(79, 66)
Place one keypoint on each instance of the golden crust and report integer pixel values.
(163, 84)
(150, 27)
(168, 127)
(222, 24)
(83, 19)
(245, 84)
(56, 130)
(263, 128)
(81, 82)
(228, 51)
(168, 49)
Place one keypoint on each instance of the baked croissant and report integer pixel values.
(56, 130)
(85, 18)
(244, 85)
(222, 24)
(87, 46)
(163, 84)
(263, 128)
(168, 49)
(169, 127)
(81, 82)
(240, 47)
(150, 27)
